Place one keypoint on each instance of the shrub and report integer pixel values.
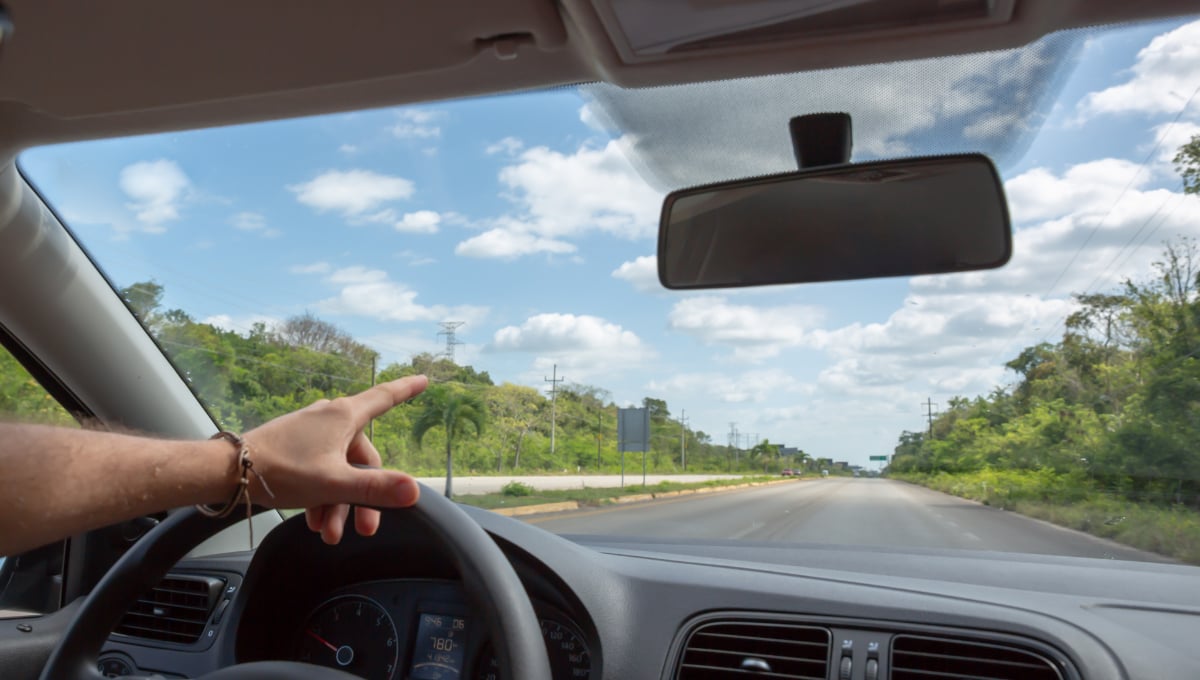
(517, 489)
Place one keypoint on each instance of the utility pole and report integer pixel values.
(683, 439)
(554, 381)
(448, 330)
(371, 426)
(929, 414)
(598, 438)
(733, 440)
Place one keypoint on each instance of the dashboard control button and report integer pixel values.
(846, 668)
(872, 672)
(114, 667)
(220, 611)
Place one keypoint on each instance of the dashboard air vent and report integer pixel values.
(744, 649)
(916, 657)
(176, 610)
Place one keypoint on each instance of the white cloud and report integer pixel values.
(1092, 217)
(508, 244)
(1088, 228)
(356, 275)
(508, 146)
(589, 190)
(255, 222)
(314, 268)
(754, 333)
(419, 222)
(415, 259)
(1165, 75)
(417, 124)
(1168, 137)
(582, 344)
(641, 273)
(754, 387)
(1090, 187)
(559, 197)
(351, 192)
(371, 293)
(155, 188)
(348, 148)
(593, 117)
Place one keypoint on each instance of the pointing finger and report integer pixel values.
(381, 398)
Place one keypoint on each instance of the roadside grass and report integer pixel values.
(590, 496)
(1172, 531)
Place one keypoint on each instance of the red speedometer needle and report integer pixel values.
(320, 639)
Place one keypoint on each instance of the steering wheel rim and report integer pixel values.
(487, 575)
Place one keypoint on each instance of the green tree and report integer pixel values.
(456, 412)
(1187, 162)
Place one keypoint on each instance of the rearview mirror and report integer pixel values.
(834, 223)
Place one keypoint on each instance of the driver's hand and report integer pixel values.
(306, 456)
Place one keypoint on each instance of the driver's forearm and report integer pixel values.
(57, 482)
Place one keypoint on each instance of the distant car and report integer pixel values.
(788, 472)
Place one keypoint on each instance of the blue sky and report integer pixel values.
(523, 216)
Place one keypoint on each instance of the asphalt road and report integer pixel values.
(848, 511)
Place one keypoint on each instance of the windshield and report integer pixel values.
(505, 246)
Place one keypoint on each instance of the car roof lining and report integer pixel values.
(144, 66)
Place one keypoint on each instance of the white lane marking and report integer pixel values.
(971, 536)
(753, 527)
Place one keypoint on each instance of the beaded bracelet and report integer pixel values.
(242, 492)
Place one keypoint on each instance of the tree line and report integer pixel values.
(246, 378)
(1113, 406)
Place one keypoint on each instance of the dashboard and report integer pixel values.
(422, 629)
(393, 607)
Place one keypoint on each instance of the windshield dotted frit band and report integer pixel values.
(242, 492)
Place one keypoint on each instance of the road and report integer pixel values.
(477, 485)
(847, 511)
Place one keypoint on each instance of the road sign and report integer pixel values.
(633, 434)
(633, 429)
(883, 458)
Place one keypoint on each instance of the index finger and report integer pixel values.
(381, 398)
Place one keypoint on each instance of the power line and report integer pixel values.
(1111, 208)
(1128, 185)
(1124, 250)
(683, 438)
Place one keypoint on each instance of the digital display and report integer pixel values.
(440, 647)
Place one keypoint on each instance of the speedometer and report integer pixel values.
(569, 655)
(353, 634)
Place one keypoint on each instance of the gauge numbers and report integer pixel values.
(351, 633)
(569, 656)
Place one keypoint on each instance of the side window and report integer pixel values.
(30, 583)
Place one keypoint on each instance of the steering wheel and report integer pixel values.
(487, 575)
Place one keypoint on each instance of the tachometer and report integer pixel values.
(351, 633)
(568, 653)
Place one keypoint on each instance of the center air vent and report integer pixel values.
(176, 610)
(917, 657)
(742, 649)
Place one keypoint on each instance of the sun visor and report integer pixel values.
(659, 30)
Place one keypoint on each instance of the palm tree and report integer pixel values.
(454, 411)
